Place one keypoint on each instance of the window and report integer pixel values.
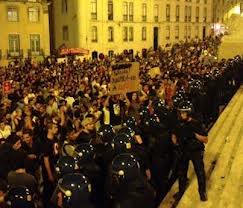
(110, 10)
(196, 32)
(189, 13)
(177, 32)
(131, 11)
(35, 43)
(64, 6)
(65, 33)
(185, 32)
(110, 34)
(167, 12)
(205, 14)
(125, 34)
(14, 44)
(186, 13)
(125, 11)
(144, 33)
(167, 32)
(33, 14)
(177, 13)
(130, 33)
(189, 32)
(156, 12)
(13, 14)
(94, 9)
(94, 34)
(197, 14)
(144, 12)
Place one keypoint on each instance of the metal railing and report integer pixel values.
(14, 54)
(35, 53)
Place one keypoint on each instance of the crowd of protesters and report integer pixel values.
(50, 104)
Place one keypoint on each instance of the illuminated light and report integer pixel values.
(236, 10)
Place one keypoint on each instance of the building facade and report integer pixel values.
(24, 30)
(111, 26)
(224, 9)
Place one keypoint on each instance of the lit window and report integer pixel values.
(94, 35)
(35, 42)
(33, 13)
(13, 14)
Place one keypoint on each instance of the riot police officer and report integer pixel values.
(126, 186)
(19, 197)
(74, 191)
(191, 136)
(66, 165)
(85, 155)
(124, 143)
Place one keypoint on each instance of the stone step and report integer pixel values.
(224, 120)
(233, 191)
(217, 158)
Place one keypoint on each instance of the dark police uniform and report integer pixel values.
(193, 150)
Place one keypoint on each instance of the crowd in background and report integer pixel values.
(70, 101)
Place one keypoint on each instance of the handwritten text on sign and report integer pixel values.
(124, 78)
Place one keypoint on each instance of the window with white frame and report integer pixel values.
(13, 15)
(14, 43)
(130, 33)
(167, 32)
(156, 12)
(144, 33)
(64, 6)
(131, 11)
(110, 34)
(35, 42)
(144, 12)
(177, 13)
(94, 9)
(110, 9)
(177, 32)
(65, 35)
(167, 12)
(125, 11)
(33, 14)
(125, 34)
(94, 34)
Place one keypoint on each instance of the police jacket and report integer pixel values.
(185, 132)
(137, 193)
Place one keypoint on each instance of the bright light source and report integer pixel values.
(236, 10)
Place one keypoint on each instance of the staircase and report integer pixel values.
(223, 164)
(232, 44)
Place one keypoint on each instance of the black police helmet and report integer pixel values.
(126, 130)
(125, 166)
(185, 106)
(66, 165)
(19, 197)
(160, 109)
(122, 143)
(152, 122)
(106, 133)
(177, 99)
(76, 190)
(144, 112)
(195, 86)
(84, 153)
(130, 122)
